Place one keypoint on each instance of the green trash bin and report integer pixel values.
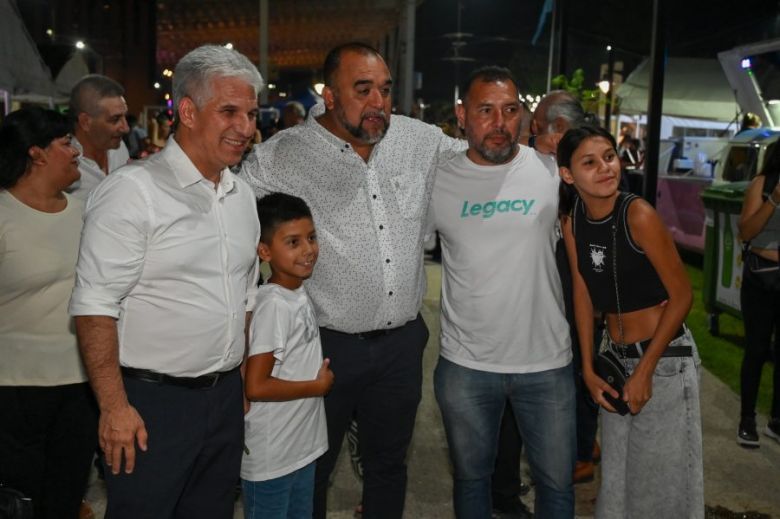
(722, 250)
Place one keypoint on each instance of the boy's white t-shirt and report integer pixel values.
(502, 303)
(283, 437)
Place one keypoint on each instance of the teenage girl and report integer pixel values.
(624, 264)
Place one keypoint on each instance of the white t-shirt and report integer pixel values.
(38, 253)
(283, 437)
(91, 174)
(502, 303)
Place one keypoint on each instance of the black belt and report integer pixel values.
(372, 334)
(201, 382)
(635, 350)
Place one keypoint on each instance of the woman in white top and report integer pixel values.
(49, 419)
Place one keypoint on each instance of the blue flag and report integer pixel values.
(546, 9)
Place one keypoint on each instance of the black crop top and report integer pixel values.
(639, 284)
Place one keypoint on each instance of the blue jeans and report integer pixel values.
(290, 496)
(472, 403)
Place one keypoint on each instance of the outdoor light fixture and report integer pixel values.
(50, 32)
(271, 86)
(80, 45)
(745, 63)
(156, 85)
(604, 86)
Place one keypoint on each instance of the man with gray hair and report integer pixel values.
(166, 273)
(99, 112)
(558, 111)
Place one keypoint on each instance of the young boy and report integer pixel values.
(286, 376)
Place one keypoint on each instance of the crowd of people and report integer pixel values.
(142, 327)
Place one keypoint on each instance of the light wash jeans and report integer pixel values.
(651, 464)
(287, 497)
(472, 403)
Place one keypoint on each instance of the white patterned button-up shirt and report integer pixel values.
(369, 216)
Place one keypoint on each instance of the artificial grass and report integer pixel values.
(722, 355)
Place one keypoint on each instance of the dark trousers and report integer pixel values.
(379, 380)
(192, 464)
(761, 315)
(47, 438)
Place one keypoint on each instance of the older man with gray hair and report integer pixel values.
(166, 273)
(558, 111)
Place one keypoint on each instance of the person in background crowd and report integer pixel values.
(99, 111)
(759, 225)
(558, 112)
(165, 282)
(48, 417)
(160, 129)
(750, 121)
(137, 140)
(293, 114)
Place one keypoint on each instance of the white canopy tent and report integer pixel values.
(693, 88)
(23, 74)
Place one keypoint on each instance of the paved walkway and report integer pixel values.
(735, 478)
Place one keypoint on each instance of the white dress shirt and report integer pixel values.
(174, 259)
(369, 216)
(91, 174)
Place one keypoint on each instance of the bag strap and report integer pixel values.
(615, 221)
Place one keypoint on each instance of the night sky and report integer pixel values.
(503, 30)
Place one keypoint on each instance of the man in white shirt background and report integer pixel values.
(166, 275)
(504, 334)
(99, 111)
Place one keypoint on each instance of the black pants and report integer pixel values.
(761, 315)
(47, 438)
(192, 464)
(379, 380)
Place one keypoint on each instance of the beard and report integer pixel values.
(361, 133)
(500, 155)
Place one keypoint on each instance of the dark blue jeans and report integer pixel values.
(472, 403)
(378, 380)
